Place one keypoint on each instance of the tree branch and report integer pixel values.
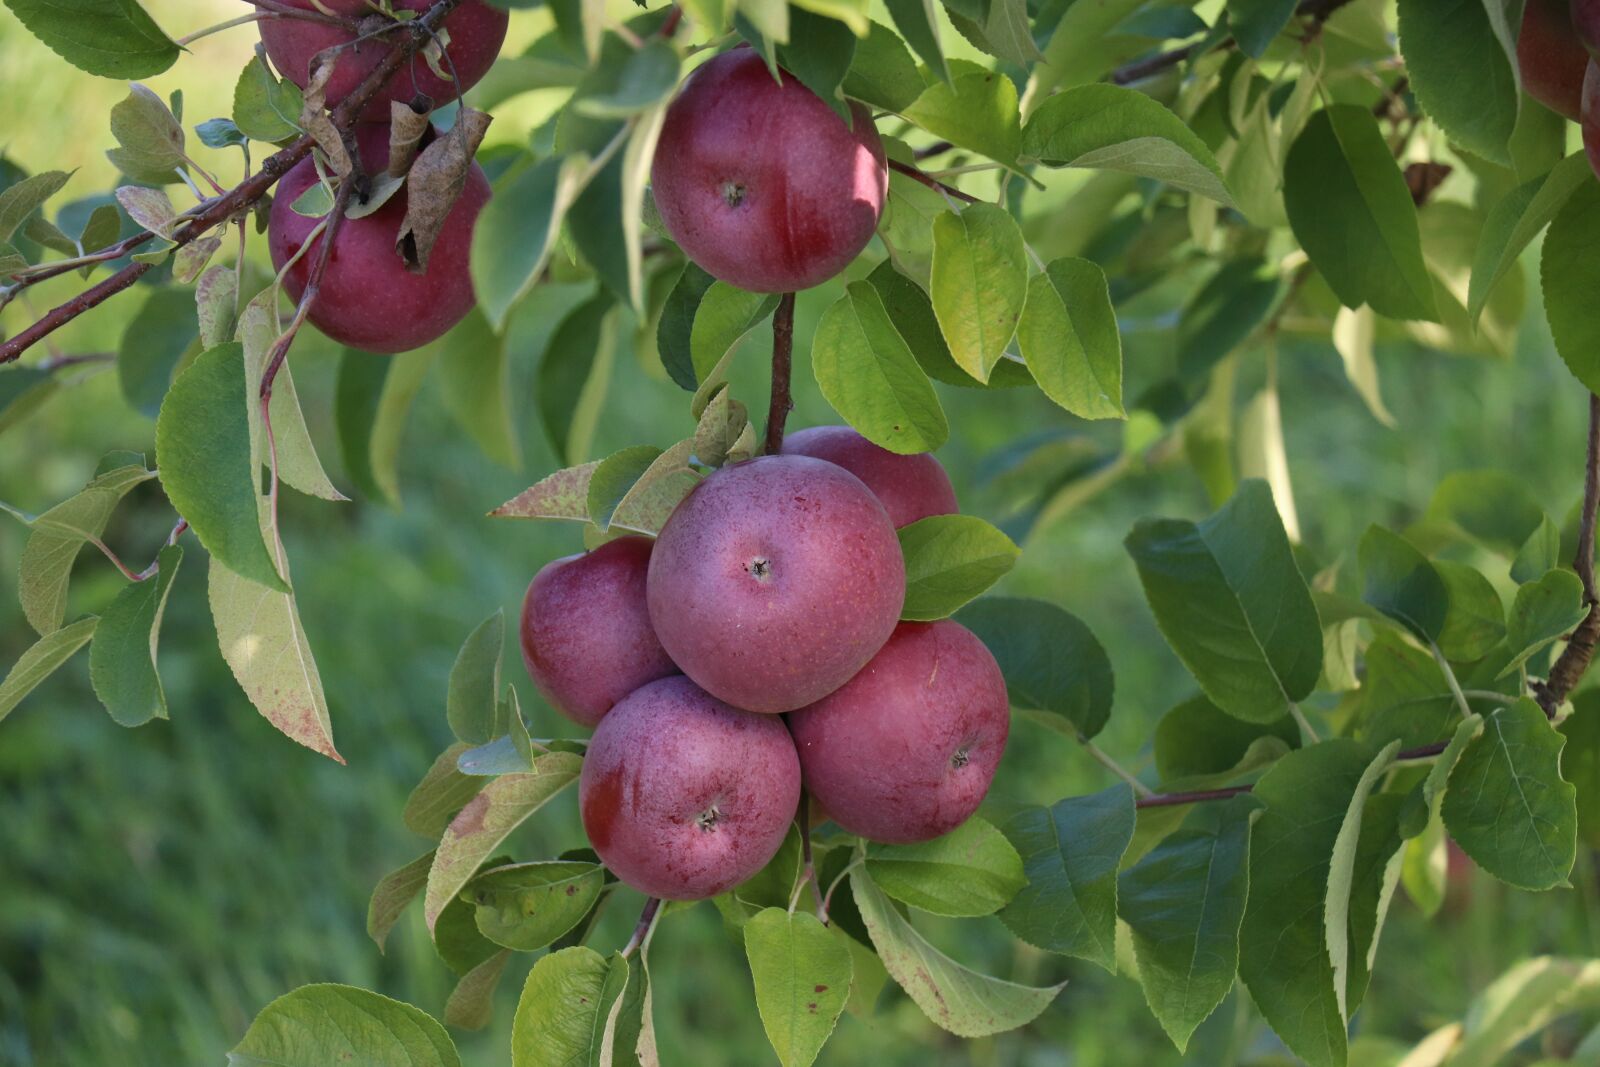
(1318, 10)
(932, 183)
(224, 208)
(782, 356)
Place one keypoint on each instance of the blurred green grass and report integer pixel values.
(158, 886)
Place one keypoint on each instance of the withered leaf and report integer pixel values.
(437, 178)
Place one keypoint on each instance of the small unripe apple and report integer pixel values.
(906, 750)
(1550, 56)
(910, 487)
(684, 797)
(368, 298)
(763, 184)
(586, 634)
(476, 30)
(775, 580)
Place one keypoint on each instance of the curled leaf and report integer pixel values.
(437, 178)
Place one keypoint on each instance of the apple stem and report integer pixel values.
(808, 868)
(647, 922)
(782, 358)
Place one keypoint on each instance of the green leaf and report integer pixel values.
(1519, 1003)
(1226, 310)
(207, 468)
(1109, 127)
(471, 1003)
(644, 78)
(882, 73)
(979, 283)
(150, 141)
(1580, 763)
(22, 391)
(220, 133)
(265, 645)
(475, 682)
(1494, 507)
(1475, 620)
(526, 906)
(723, 317)
(122, 660)
(912, 314)
(650, 501)
(1405, 695)
(562, 1014)
(956, 999)
(1256, 22)
(1425, 867)
(443, 791)
(321, 1024)
(57, 537)
(976, 110)
(298, 464)
(1068, 335)
(1184, 902)
(266, 108)
(111, 38)
(1051, 661)
(675, 330)
(485, 822)
(950, 559)
(1539, 553)
(1283, 950)
(973, 870)
(476, 366)
(573, 376)
(1004, 33)
(20, 200)
(1508, 806)
(1403, 584)
(615, 475)
(1070, 854)
(1569, 275)
(392, 894)
(372, 401)
(918, 23)
(1368, 841)
(1542, 613)
(853, 13)
(1462, 73)
(819, 54)
(1230, 600)
(1198, 745)
(802, 977)
(41, 660)
(1515, 220)
(1352, 213)
(868, 373)
(517, 231)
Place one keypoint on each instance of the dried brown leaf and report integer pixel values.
(437, 178)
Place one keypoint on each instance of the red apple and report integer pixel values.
(1550, 56)
(684, 797)
(762, 183)
(476, 31)
(776, 580)
(906, 750)
(586, 635)
(369, 299)
(910, 487)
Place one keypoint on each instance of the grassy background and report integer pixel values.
(158, 886)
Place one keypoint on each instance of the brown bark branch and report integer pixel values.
(782, 358)
(932, 183)
(1574, 660)
(218, 212)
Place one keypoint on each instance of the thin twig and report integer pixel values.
(932, 183)
(782, 357)
(1575, 658)
(1318, 10)
(224, 208)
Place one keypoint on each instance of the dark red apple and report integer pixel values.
(776, 580)
(906, 750)
(368, 299)
(476, 31)
(683, 796)
(910, 487)
(586, 634)
(762, 183)
(1551, 57)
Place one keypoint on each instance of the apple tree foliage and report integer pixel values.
(1348, 719)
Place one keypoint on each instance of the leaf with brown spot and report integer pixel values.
(436, 179)
(562, 495)
(487, 820)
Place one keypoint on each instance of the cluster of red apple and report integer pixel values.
(368, 299)
(756, 646)
(1553, 55)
